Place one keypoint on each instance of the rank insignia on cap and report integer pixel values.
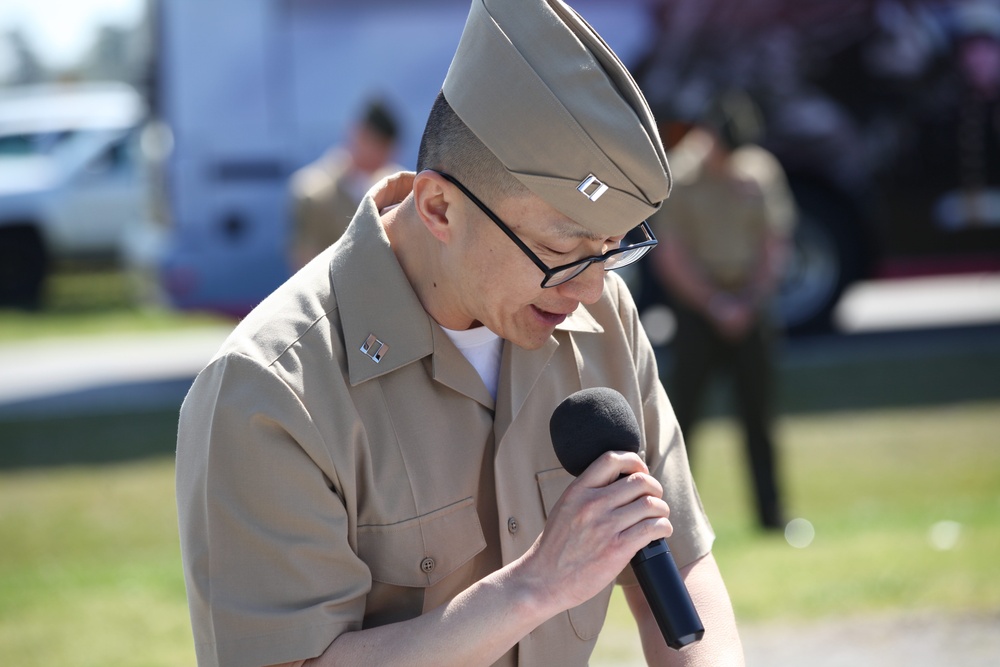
(592, 188)
(374, 349)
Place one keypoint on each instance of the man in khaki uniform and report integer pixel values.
(325, 193)
(725, 230)
(364, 470)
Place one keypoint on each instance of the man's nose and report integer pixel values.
(586, 287)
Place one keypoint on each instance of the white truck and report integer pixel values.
(250, 91)
(71, 179)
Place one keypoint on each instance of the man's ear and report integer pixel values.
(433, 199)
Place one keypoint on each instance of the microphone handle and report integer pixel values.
(666, 594)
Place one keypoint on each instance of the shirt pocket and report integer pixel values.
(422, 551)
(587, 619)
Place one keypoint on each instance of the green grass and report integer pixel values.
(872, 484)
(90, 566)
(89, 571)
(94, 301)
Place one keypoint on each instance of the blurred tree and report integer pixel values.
(25, 67)
(117, 54)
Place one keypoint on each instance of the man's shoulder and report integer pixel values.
(300, 312)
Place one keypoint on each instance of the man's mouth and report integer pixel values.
(549, 318)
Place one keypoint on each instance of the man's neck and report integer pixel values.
(418, 253)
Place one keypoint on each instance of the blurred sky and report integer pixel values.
(61, 30)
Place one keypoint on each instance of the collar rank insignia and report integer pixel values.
(374, 349)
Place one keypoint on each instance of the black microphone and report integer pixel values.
(584, 426)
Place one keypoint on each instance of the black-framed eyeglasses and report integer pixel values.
(636, 243)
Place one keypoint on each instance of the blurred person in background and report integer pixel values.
(725, 230)
(325, 193)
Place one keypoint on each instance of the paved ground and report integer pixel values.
(918, 640)
(101, 373)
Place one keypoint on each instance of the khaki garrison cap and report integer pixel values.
(553, 102)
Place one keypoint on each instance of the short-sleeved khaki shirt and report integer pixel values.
(724, 220)
(341, 465)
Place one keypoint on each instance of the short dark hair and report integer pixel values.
(735, 118)
(449, 145)
(380, 118)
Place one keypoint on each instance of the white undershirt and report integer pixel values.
(483, 349)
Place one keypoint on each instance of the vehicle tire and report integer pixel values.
(23, 267)
(828, 253)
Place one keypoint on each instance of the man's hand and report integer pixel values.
(604, 517)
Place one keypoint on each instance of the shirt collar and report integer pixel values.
(378, 306)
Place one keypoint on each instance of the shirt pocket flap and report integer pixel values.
(551, 484)
(422, 551)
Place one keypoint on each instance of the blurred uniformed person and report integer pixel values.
(364, 470)
(725, 232)
(325, 193)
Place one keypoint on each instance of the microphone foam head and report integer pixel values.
(590, 422)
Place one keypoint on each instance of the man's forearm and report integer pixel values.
(475, 628)
(720, 647)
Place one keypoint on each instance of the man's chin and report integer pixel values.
(533, 340)
(531, 346)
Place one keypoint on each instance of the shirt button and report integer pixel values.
(427, 565)
(512, 525)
